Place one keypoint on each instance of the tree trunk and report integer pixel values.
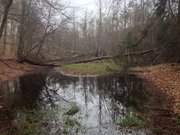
(161, 7)
(5, 17)
(20, 49)
(5, 39)
(178, 12)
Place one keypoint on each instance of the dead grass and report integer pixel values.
(102, 67)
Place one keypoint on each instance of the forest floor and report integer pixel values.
(164, 106)
(10, 69)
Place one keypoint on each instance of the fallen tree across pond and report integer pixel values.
(94, 59)
(38, 63)
(140, 52)
(77, 60)
(61, 61)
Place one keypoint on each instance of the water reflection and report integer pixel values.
(101, 101)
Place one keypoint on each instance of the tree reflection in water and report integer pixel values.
(101, 101)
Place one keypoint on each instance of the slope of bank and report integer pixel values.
(164, 82)
(10, 69)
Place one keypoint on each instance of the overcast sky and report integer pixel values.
(83, 4)
(91, 6)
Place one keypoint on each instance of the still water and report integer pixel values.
(54, 104)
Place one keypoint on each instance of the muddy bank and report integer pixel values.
(164, 83)
(10, 69)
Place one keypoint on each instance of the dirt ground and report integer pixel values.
(10, 69)
(164, 83)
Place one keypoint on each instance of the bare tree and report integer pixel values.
(7, 4)
(99, 34)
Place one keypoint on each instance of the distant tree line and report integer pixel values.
(143, 31)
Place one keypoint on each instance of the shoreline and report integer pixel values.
(163, 83)
(69, 74)
(11, 69)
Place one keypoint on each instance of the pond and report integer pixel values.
(54, 104)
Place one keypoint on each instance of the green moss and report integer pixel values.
(131, 120)
(70, 122)
(29, 123)
(178, 120)
(34, 122)
(102, 67)
(157, 131)
(37, 122)
(73, 110)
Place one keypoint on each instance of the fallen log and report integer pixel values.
(93, 59)
(53, 62)
(37, 63)
(140, 52)
(67, 58)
